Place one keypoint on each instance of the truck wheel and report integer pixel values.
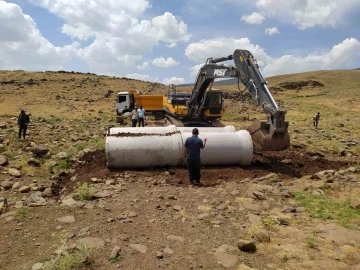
(158, 115)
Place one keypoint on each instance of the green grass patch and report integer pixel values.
(310, 241)
(115, 260)
(84, 191)
(21, 214)
(64, 164)
(99, 143)
(80, 146)
(329, 209)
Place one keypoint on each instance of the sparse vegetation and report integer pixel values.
(99, 143)
(64, 164)
(21, 214)
(269, 222)
(69, 259)
(115, 260)
(329, 209)
(84, 191)
(310, 241)
(80, 146)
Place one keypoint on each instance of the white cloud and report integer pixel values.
(143, 66)
(23, 47)
(253, 18)
(119, 36)
(174, 80)
(142, 77)
(272, 31)
(171, 45)
(307, 14)
(341, 56)
(219, 47)
(164, 63)
(195, 70)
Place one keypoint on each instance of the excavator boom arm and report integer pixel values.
(273, 133)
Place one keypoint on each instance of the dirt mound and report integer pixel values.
(238, 96)
(301, 84)
(287, 164)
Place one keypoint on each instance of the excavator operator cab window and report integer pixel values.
(215, 100)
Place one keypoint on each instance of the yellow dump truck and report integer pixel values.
(152, 104)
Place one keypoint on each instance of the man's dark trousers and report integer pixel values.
(22, 129)
(194, 168)
(141, 121)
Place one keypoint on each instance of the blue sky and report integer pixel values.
(167, 41)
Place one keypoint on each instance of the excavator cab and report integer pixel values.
(213, 105)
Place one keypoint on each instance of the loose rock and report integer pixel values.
(114, 253)
(139, 248)
(24, 189)
(14, 172)
(6, 185)
(67, 219)
(3, 160)
(246, 246)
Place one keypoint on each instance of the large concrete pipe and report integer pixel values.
(225, 148)
(143, 147)
(164, 146)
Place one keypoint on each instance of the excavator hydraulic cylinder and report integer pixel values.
(149, 147)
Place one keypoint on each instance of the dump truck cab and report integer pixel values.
(125, 102)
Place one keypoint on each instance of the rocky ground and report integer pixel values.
(61, 208)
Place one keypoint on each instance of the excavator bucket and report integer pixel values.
(265, 139)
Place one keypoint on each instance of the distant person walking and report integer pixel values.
(141, 113)
(316, 119)
(23, 122)
(192, 153)
(134, 117)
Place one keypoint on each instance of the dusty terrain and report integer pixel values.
(61, 208)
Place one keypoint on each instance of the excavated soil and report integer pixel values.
(293, 163)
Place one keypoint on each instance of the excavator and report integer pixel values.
(203, 107)
(149, 147)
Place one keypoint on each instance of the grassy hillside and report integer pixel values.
(64, 94)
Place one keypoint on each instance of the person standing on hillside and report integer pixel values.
(134, 117)
(316, 119)
(141, 113)
(23, 122)
(192, 153)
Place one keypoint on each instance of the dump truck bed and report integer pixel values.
(150, 102)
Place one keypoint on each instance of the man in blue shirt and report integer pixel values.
(141, 113)
(192, 153)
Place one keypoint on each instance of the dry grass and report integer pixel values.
(64, 95)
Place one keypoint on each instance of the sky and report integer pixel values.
(167, 41)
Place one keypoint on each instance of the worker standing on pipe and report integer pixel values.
(192, 153)
(134, 117)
